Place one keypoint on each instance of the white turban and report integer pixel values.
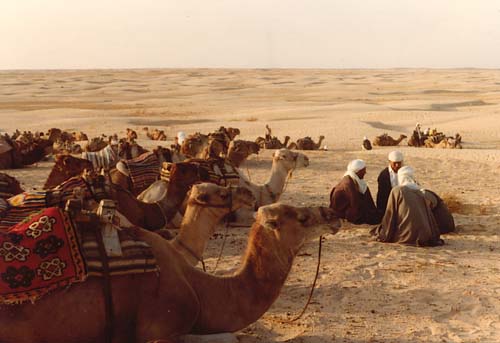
(356, 165)
(352, 168)
(181, 136)
(406, 177)
(395, 156)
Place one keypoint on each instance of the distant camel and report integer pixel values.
(307, 143)
(270, 141)
(386, 140)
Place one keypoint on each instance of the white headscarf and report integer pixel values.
(352, 168)
(181, 136)
(395, 156)
(406, 178)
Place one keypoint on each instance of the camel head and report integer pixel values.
(232, 132)
(212, 195)
(194, 144)
(66, 166)
(290, 159)
(293, 226)
(163, 154)
(131, 134)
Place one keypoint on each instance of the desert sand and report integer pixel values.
(367, 291)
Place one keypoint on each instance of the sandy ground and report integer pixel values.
(367, 291)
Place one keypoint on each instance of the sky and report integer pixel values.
(83, 34)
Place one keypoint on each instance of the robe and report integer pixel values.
(350, 204)
(408, 218)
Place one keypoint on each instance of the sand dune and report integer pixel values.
(367, 291)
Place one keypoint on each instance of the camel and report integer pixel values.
(203, 146)
(26, 149)
(284, 163)
(80, 136)
(65, 167)
(131, 134)
(270, 141)
(145, 170)
(306, 143)
(107, 157)
(180, 299)
(156, 135)
(9, 186)
(386, 140)
(66, 147)
(239, 151)
(185, 174)
(97, 143)
(446, 143)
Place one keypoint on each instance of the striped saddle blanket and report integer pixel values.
(105, 158)
(39, 255)
(144, 170)
(15, 209)
(219, 171)
(136, 258)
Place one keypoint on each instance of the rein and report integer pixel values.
(225, 233)
(199, 259)
(312, 288)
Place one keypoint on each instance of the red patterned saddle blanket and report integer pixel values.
(39, 255)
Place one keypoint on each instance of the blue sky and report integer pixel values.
(59, 34)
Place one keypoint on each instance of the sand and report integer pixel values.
(367, 291)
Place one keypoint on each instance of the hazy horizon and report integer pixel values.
(225, 34)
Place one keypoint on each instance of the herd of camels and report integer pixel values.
(197, 182)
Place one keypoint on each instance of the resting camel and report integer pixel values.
(180, 299)
(9, 186)
(137, 174)
(131, 134)
(66, 166)
(80, 136)
(185, 174)
(27, 148)
(98, 143)
(239, 150)
(386, 140)
(307, 143)
(203, 146)
(156, 135)
(271, 142)
(446, 143)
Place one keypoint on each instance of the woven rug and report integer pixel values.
(105, 158)
(144, 170)
(39, 255)
(136, 258)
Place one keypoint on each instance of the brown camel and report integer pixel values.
(270, 141)
(386, 140)
(307, 143)
(239, 150)
(156, 135)
(96, 144)
(27, 148)
(9, 186)
(180, 299)
(65, 167)
(131, 134)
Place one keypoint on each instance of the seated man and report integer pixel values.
(351, 198)
(388, 178)
(408, 218)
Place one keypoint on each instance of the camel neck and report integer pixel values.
(247, 295)
(276, 181)
(197, 226)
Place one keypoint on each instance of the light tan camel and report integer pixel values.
(446, 143)
(180, 299)
(306, 143)
(284, 162)
(386, 140)
(207, 204)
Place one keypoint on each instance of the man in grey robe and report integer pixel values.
(408, 218)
